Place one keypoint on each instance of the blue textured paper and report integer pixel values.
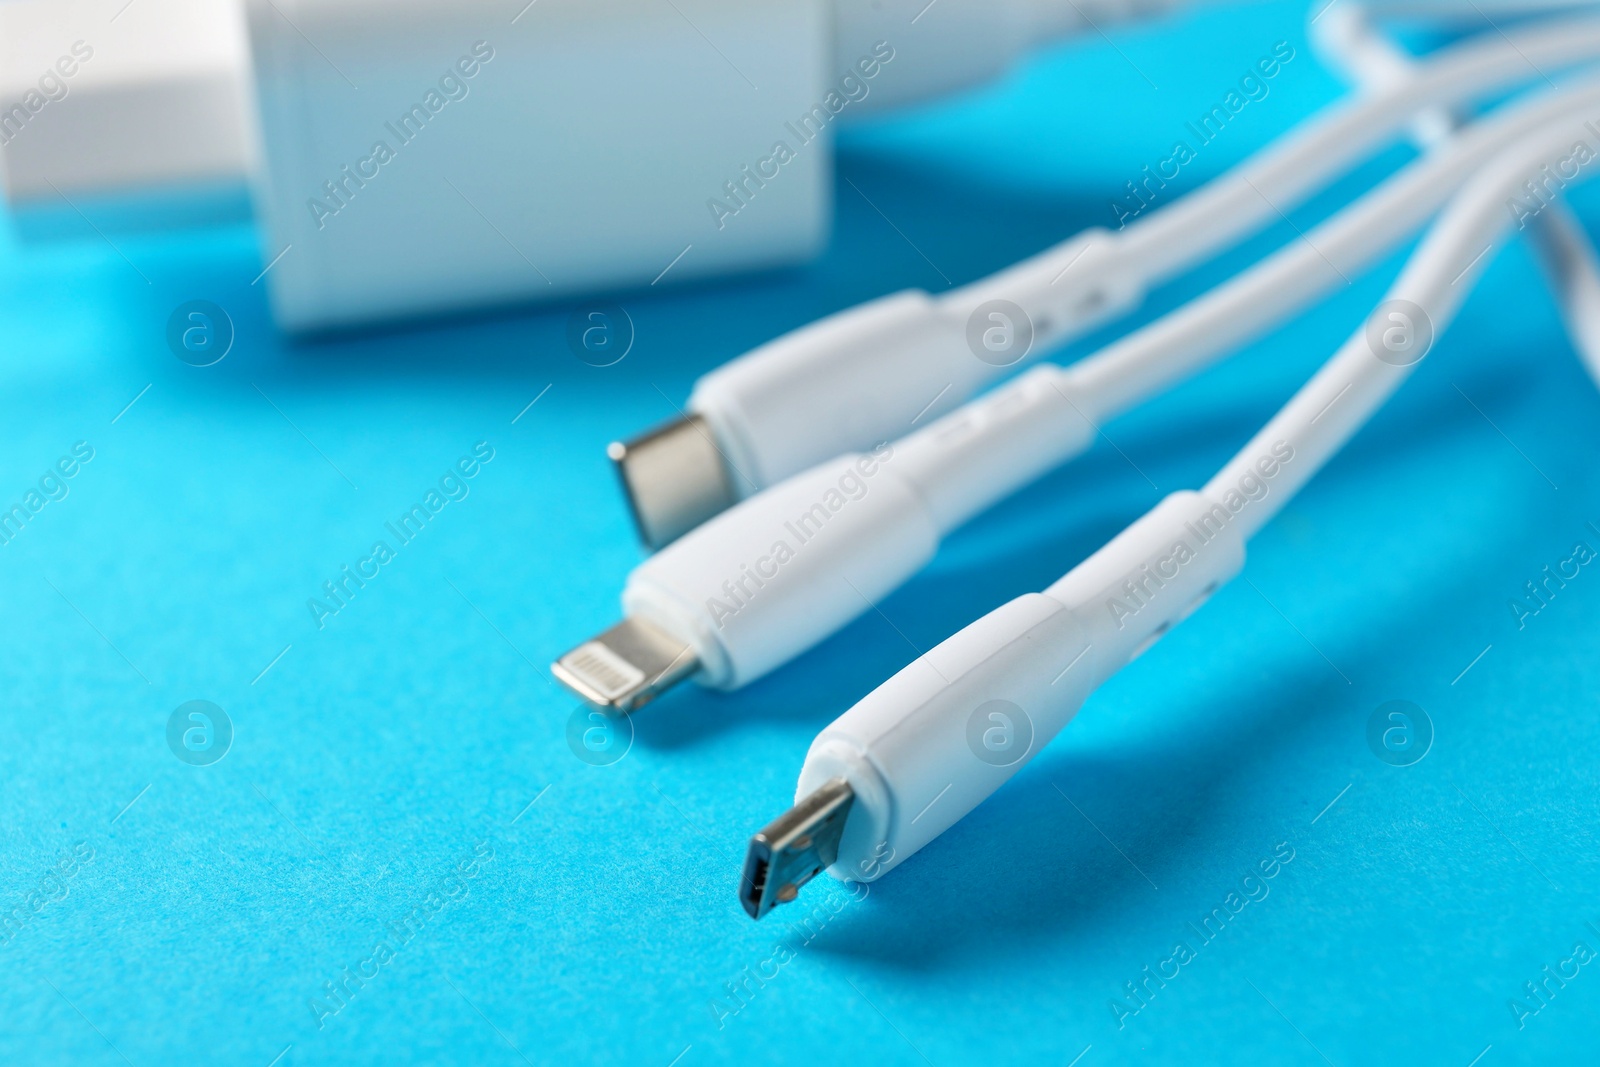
(409, 761)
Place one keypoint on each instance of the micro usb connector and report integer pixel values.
(795, 847)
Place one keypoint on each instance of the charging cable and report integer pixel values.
(1347, 38)
(902, 766)
(882, 366)
(766, 580)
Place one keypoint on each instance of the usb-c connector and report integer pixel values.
(674, 477)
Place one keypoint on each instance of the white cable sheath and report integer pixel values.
(1155, 357)
(1343, 395)
(917, 752)
(1348, 41)
(1573, 269)
(1347, 37)
(767, 579)
(863, 375)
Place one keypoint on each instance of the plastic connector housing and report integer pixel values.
(771, 577)
(880, 370)
(907, 749)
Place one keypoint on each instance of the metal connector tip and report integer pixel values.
(795, 847)
(627, 666)
(674, 478)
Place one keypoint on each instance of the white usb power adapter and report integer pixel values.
(410, 158)
(420, 158)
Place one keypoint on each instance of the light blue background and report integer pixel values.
(373, 756)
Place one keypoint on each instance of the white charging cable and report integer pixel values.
(769, 578)
(878, 368)
(934, 741)
(1347, 37)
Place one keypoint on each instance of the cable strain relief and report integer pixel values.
(1063, 293)
(1152, 576)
